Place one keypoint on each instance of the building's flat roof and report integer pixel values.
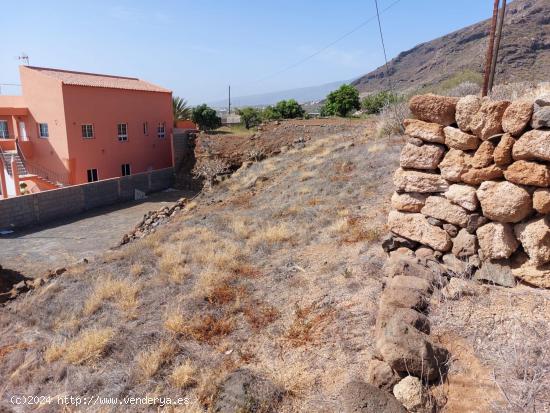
(69, 77)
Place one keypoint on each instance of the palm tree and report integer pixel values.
(180, 108)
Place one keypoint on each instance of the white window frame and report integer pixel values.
(90, 171)
(122, 137)
(87, 131)
(126, 169)
(4, 133)
(145, 128)
(40, 130)
(161, 130)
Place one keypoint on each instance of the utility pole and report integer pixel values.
(490, 49)
(501, 14)
(229, 106)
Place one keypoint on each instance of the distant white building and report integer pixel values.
(230, 119)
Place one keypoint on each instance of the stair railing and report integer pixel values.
(57, 178)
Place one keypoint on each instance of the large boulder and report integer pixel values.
(396, 296)
(517, 116)
(463, 195)
(243, 390)
(428, 132)
(434, 108)
(541, 200)
(421, 157)
(483, 156)
(408, 350)
(380, 374)
(488, 120)
(454, 165)
(399, 265)
(504, 201)
(416, 181)
(475, 176)
(503, 151)
(534, 236)
(408, 201)
(496, 272)
(464, 244)
(392, 242)
(532, 146)
(541, 113)
(466, 108)
(455, 138)
(496, 240)
(416, 227)
(441, 208)
(410, 393)
(523, 269)
(528, 173)
(360, 397)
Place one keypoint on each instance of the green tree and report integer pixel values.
(250, 117)
(375, 102)
(289, 109)
(270, 113)
(180, 108)
(205, 117)
(342, 101)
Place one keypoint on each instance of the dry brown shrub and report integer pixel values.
(260, 315)
(205, 328)
(208, 328)
(150, 361)
(308, 324)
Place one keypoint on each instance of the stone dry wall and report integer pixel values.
(474, 186)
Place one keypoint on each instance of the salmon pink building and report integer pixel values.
(73, 127)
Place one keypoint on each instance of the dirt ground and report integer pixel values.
(277, 269)
(34, 251)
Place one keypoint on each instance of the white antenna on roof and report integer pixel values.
(24, 57)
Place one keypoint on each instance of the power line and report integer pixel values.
(383, 46)
(321, 50)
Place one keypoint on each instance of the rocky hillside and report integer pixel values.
(524, 52)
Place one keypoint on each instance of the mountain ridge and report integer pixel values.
(524, 53)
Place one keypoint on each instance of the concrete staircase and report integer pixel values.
(7, 156)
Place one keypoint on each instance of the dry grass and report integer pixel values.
(354, 229)
(136, 269)
(271, 235)
(150, 361)
(240, 227)
(121, 291)
(88, 347)
(184, 375)
(172, 263)
(54, 352)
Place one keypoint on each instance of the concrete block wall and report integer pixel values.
(47, 206)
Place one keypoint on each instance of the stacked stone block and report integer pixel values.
(474, 183)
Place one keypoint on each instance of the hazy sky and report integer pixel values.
(196, 48)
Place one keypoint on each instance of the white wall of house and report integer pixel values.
(10, 183)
